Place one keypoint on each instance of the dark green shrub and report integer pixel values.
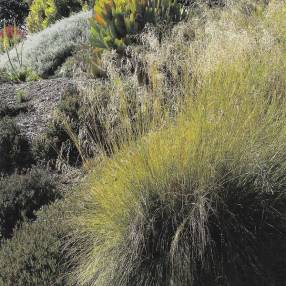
(90, 3)
(66, 7)
(14, 147)
(34, 256)
(22, 195)
(13, 11)
(11, 111)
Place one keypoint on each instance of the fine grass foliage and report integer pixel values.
(112, 113)
(201, 201)
(197, 201)
(21, 96)
(276, 21)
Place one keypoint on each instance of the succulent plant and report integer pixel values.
(115, 22)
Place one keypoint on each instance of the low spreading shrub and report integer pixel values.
(21, 195)
(35, 254)
(11, 111)
(46, 12)
(14, 147)
(45, 51)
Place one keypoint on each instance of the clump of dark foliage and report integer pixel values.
(235, 237)
(66, 7)
(11, 111)
(13, 11)
(14, 147)
(34, 255)
(21, 195)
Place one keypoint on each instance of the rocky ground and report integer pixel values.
(33, 103)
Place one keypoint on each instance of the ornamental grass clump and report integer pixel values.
(201, 202)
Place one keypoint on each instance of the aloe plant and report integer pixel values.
(114, 22)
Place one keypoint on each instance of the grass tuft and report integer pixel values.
(201, 201)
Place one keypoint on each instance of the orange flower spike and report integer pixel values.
(5, 38)
(100, 20)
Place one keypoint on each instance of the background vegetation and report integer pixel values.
(13, 11)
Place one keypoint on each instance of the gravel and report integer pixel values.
(41, 99)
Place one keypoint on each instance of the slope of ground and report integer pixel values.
(39, 101)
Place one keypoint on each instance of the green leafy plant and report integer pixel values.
(45, 12)
(22, 74)
(115, 22)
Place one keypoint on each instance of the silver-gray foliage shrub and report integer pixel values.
(45, 51)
